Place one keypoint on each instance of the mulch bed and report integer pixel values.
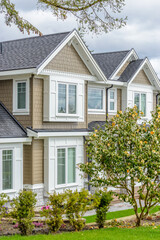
(8, 227)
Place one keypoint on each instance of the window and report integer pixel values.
(112, 104)
(7, 169)
(66, 165)
(67, 95)
(95, 98)
(21, 95)
(140, 102)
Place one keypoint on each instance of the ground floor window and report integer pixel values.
(7, 169)
(140, 102)
(66, 165)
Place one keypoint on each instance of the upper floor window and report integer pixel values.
(67, 95)
(66, 165)
(21, 97)
(112, 100)
(7, 169)
(140, 102)
(95, 99)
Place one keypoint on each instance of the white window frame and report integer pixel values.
(13, 169)
(17, 111)
(66, 167)
(97, 111)
(140, 93)
(112, 100)
(67, 114)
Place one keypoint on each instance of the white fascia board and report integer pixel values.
(59, 48)
(17, 72)
(146, 61)
(15, 140)
(68, 74)
(56, 134)
(132, 52)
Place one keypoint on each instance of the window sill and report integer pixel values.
(8, 191)
(21, 113)
(67, 115)
(96, 111)
(66, 185)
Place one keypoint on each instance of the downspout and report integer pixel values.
(157, 98)
(107, 100)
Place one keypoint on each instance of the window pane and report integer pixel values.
(61, 166)
(7, 169)
(112, 95)
(71, 165)
(95, 98)
(61, 98)
(72, 99)
(143, 103)
(136, 100)
(112, 106)
(21, 98)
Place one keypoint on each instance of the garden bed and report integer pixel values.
(9, 227)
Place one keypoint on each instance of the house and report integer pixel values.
(53, 92)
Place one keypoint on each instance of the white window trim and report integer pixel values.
(66, 164)
(67, 97)
(13, 169)
(115, 100)
(143, 117)
(97, 111)
(17, 111)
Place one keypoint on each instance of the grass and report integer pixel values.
(118, 214)
(141, 233)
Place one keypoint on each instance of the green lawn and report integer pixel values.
(141, 233)
(118, 214)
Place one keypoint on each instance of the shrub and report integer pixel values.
(54, 211)
(101, 201)
(23, 211)
(76, 206)
(3, 209)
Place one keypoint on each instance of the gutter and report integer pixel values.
(107, 100)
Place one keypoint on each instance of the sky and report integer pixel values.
(142, 31)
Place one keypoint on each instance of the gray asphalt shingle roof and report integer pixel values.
(108, 62)
(130, 70)
(9, 126)
(28, 52)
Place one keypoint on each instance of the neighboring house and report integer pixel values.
(59, 92)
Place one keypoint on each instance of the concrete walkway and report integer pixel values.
(113, 208)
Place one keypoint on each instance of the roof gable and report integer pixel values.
(68, 60)
(9, 126)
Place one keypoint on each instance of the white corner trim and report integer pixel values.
(15, 140)
(34, 186)
(131, 52)
(56, 134)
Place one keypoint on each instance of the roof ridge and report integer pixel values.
(19, 39)
(10, 114)
(110, 52)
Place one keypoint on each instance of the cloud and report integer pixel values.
(142, 31)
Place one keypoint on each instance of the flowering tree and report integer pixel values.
(93, 15)
(126, 155)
